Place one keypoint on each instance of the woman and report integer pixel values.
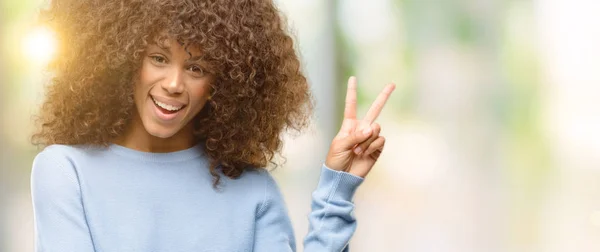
(159, 122)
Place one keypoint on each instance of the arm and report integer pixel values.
(352, 154)
(332, 222)
(60, 223)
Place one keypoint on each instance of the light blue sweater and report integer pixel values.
(118, 199)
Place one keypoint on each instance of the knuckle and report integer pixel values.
(372, 139)
(376, 127)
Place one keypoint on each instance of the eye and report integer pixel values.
(158, 59)
(196, 70)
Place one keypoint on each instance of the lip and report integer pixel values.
(166, 118)
(168, 101)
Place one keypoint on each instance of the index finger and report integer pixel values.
(378, 104)
(350, 108)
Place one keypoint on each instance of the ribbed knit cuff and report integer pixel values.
(343, 185)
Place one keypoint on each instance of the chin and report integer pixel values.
(160, 132)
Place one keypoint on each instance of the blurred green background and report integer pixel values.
(492, 133)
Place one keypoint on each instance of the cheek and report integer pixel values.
(143, 81)
(201, 93)
(147, 75)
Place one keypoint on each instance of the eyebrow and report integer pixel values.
(197, 58)
(167, 49)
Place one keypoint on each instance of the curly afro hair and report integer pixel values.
(260, 89)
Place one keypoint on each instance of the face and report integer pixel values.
(171, 89)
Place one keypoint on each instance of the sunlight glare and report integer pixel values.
(40, 45)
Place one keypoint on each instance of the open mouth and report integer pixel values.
(166, 111)
(166, 107)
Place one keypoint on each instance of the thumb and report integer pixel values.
(356, 137)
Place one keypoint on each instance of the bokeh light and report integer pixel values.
(39, 45)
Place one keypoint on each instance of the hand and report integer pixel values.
(357, 145)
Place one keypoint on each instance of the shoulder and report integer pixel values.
(58, 161)
(257, 184)
(268, 189)
(61, 151)
(53, 156)
(53, 173)
(66, 154)
(259, 178)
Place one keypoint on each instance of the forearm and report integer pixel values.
(332, 222)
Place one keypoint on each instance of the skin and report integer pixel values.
(170, 74)
(358, 145)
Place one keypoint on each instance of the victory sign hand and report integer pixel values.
(358, 145)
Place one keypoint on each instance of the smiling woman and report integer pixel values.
(154, 100)
(104, 48)
(170, 91)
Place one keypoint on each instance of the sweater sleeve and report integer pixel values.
(60, 223)
(332, 222)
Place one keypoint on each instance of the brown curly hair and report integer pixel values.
(260, 89)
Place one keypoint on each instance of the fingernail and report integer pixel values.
(357, 150)
(366, 131)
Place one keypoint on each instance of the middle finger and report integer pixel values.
(379, 102)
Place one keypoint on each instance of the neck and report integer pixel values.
(136, 137)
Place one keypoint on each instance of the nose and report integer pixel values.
(174, 83)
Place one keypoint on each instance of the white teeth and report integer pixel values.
(166, 106)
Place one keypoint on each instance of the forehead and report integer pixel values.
(171, 43)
